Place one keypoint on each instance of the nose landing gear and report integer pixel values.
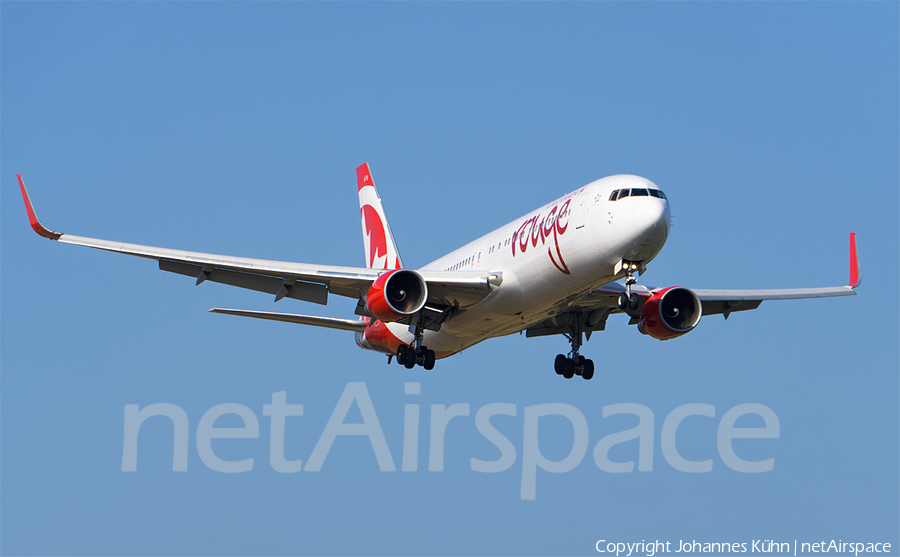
(628, 300)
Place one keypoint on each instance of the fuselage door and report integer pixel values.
(580, 209)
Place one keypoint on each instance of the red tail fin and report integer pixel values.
(381, 250)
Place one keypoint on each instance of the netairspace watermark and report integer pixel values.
(532, 458)
(627, 549)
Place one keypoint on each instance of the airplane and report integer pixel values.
(552, 271)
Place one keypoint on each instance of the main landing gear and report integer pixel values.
(409, 356)
(575, 364)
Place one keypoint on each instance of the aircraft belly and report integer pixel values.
(442, 342)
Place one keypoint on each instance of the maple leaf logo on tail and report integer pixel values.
(374, 238)
(381, 250)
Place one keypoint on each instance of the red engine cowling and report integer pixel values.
(670, 313)
(396, 294)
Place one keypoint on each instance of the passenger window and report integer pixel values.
(613, 195)
(623, 193)
(640, 192)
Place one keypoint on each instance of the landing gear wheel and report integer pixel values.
(588, 371)
(633, 302)
(402, 354)
(569, 370)
(623, 301)
(579, 364)
(406, 356)
(559, 365)
(428, 364)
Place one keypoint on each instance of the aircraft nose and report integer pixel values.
(652, 217)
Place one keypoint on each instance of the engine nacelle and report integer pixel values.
(396, 294)
(670, 313)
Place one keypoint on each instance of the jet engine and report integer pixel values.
(670, 313)
(396, 294)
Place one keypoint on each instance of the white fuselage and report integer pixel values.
(548, 258)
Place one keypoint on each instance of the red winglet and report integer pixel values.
(855, 279)
(32, 217)
(363, 176)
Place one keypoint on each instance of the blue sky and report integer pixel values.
(236, 127)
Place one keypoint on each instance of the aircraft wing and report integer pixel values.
(301, 281)
(592, 308)
(718, 301)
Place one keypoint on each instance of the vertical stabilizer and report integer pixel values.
(381, 250)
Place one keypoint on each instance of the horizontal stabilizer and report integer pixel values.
(356, 325)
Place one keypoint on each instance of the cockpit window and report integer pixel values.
(637, 192)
